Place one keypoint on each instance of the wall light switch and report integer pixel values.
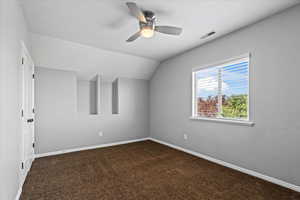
(100, 133)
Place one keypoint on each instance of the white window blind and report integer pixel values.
(222, 91)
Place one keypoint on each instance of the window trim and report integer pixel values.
(227, 121)
(249, 120)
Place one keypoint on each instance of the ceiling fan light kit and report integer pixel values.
(147, 29)
(147, 24)
(147, 32)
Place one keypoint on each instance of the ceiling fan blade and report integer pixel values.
(134, 37)
(171, 30)
(136, 11)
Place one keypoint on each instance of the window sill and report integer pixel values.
(227, 121)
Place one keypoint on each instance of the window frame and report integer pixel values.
(249, 120)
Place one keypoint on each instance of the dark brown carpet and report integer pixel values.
(142, 171)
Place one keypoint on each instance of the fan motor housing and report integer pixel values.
(150, 17)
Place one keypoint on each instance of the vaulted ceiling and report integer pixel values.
(88, 61)
(106, 24)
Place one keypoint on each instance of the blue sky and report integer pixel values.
(234, 80)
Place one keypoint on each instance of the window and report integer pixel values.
(222, 91)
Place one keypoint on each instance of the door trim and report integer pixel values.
(24, 169)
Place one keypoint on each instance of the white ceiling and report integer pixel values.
(88, 61)
(107, 24)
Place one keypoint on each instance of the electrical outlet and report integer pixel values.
(185, 136)
(100, 133)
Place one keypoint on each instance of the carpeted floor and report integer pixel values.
(142, 171)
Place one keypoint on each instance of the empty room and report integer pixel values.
(149, 100)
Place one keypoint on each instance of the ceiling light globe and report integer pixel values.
(147, 32)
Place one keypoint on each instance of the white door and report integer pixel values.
(27, 111)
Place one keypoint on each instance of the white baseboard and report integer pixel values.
(19, 193)
(232, 166)
(88, 148)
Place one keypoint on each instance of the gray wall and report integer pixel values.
(12, 30)
(270, 147)
(59, 126)
(83, 96)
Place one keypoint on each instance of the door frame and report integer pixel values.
(25, 55)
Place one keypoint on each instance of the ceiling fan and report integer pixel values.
(147, 22)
